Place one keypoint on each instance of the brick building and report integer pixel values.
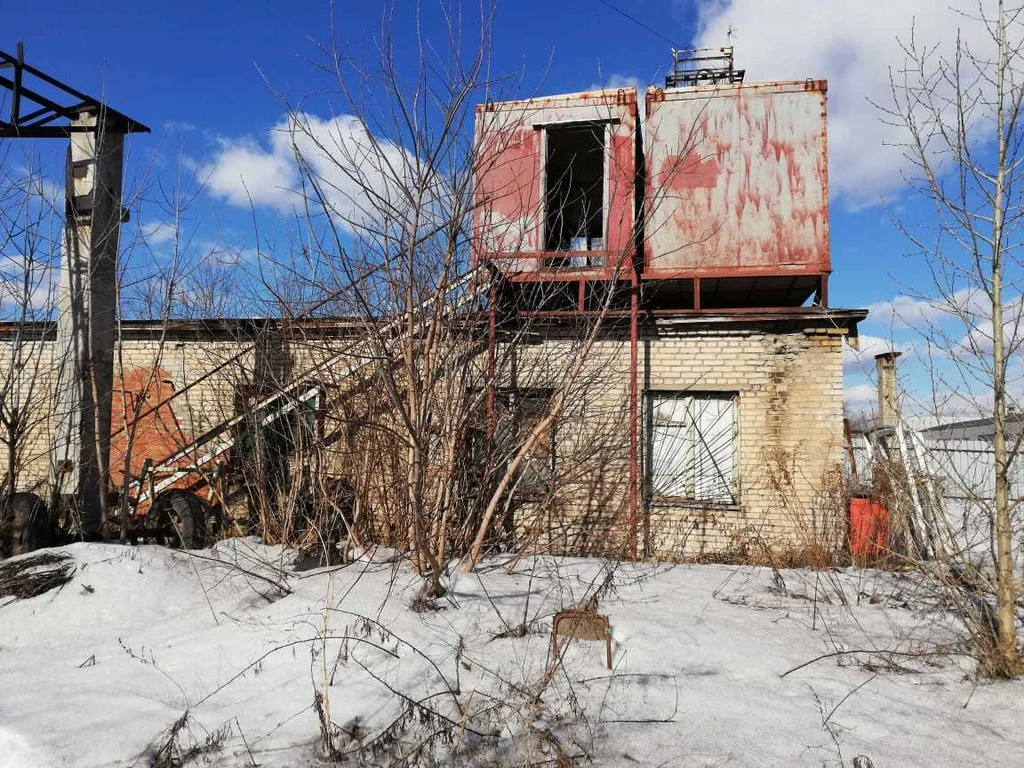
(692, 244)
(701, 227)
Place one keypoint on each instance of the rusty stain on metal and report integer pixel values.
(509, 219)
(737, 180)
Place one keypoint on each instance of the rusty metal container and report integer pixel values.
(737, 181)
(514, 149)
(869, 530)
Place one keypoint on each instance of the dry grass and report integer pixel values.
(35, 574)
(178, 746)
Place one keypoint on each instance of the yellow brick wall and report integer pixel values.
(29, 378)
(204, 405)
(789, 412)
(789, 441)
(790, 417)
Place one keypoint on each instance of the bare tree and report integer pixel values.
(435, 442)
(963, 120)
(29, 254)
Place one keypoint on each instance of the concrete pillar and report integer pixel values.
(888, 394)
(86, 324)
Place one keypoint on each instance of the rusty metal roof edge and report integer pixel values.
(209, 326)
(829, 317)
(545, 100)
(729, 89)
(837, 318)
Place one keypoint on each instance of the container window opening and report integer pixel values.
(574, 200)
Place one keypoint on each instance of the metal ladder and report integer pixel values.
(204, 454)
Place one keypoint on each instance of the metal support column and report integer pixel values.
(492, 338)
(634, 453)
(43, 107)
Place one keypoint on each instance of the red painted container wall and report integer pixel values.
(737, 180)
(509, 189)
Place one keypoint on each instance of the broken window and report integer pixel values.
(574, 197)
(691, 447)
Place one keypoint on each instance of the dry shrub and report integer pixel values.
(890, 487)
(962, 585)
(815, 508)
(968, 592)
(35, 574)
(178, 746)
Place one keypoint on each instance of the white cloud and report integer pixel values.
(26, 285)
(362, 177)
(617, 80)
(978, 341)
(244, 172)
(860, 395)
(158, 232)
(852, 45)
(917, 313)
(862, 360)
(958, 325)
(52, 192)
(902, 312)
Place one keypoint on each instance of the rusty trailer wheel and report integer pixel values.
(180, 517)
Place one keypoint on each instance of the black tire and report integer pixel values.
(28, 522)
(183, 516)
(214, 522)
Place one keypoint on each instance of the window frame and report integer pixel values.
(732, 482)
(593, 258)
(542, 468)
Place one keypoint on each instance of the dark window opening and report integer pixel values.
(600, 293)
(574, 201)
(546, 296)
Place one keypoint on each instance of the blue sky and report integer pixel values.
(192, 71)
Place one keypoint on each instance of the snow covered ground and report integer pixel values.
(100, 671)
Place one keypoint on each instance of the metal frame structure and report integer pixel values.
(32, 115)
(88, 297)
(703, 66)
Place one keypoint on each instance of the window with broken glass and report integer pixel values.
(691, 451)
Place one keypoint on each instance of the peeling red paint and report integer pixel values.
(621, 197)
(689, 172)
(153, 431)
(740, 179)
(736, 179)
(509, 215)
(510, 178)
